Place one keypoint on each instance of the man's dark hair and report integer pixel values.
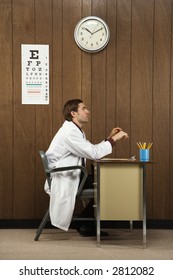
(71, 105)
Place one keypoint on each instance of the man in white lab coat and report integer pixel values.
(69, 147)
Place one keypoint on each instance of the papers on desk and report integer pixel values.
(119, 159)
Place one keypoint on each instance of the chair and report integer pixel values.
(82, 193)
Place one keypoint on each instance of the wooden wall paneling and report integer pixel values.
(86, 77)
(129, 83)
(98, 108)
(161, 109)
(141, 82)
(57, 65)
(44, 113)
(71, 53)
(6, 110)
(111, 70)
(123, 75)
(86, 70)
(171, 125)
(24, 117)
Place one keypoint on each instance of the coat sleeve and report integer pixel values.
(81, 147)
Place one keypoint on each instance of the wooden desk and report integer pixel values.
(120, 191)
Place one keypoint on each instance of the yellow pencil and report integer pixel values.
(138, 145)
(141, 145)
(149, 145)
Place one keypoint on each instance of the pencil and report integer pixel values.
(138, 145)
(149, 145)
(144, 145)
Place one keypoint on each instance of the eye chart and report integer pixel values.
(35, 74)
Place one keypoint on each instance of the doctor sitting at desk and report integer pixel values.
(70, 147)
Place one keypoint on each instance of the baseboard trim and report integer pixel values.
(34, 223)
(21, 223)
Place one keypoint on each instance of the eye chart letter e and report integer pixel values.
(35, 74)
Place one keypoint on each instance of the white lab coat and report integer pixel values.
(68, 147)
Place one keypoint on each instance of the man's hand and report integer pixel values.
(114, 131)
(121, 134)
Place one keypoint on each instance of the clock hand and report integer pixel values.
(97, 30)
(87, 30)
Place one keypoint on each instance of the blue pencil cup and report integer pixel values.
(144, 154)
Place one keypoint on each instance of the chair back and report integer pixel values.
(46, 166)
(48, 171)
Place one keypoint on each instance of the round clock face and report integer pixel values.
(92, 34)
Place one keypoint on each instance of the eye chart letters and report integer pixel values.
(35, 74)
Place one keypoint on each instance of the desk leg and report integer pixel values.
(98, 204)
(144, 208)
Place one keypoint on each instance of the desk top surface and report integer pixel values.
(123, 161)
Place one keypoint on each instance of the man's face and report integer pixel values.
(82, 114)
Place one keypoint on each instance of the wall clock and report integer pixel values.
(92, 34)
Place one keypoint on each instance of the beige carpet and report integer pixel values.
(58, 245)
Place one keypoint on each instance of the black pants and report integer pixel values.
(88, 211)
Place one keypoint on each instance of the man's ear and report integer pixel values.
(73, 113)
